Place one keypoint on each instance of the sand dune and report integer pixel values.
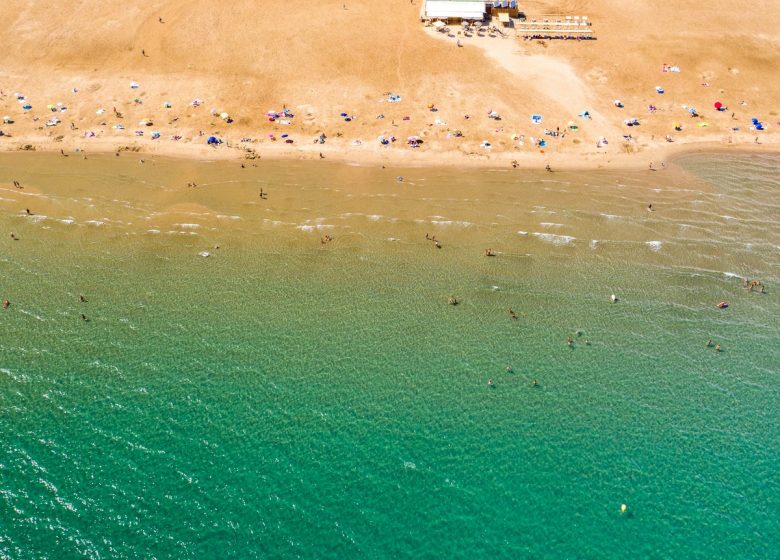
(320, 60)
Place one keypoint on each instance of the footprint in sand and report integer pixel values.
(597, 75)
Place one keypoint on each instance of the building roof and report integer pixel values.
(465, 9)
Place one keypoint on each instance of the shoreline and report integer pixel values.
(399, 158)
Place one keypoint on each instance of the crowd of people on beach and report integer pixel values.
(557, 37)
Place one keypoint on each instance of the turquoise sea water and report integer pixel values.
(288, 399)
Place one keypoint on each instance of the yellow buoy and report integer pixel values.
(623, 508)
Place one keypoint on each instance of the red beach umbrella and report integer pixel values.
(718, 105)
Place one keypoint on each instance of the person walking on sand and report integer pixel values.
(548, 168)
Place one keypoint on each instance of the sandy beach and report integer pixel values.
(93, 77)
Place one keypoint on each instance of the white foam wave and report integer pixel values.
(310, 227)
(594, 243)
(95, 223)
(550, 225)
(654, 245)
(188, 226)
(555, 239)
(462, 223)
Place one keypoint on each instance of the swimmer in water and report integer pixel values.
(491, 384)
(82, 299)
(6, 304)
(717, 347)
(84, 318)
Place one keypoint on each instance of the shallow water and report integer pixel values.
(288, 398)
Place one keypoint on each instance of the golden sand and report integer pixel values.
(320, 60)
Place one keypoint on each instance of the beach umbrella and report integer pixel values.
(51, 106)
(27, 107)
(439, 24)
(718, 105)
(7, 120)
(224, 116)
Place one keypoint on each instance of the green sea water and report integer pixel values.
(285, 398)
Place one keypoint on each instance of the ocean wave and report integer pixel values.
(654, 245)
(18, 377)
(550, 225)
(188, 226)
(594, 243)
(555, 239)
(312, 227)
(611, 216)
(462, 223)
(95, 223)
